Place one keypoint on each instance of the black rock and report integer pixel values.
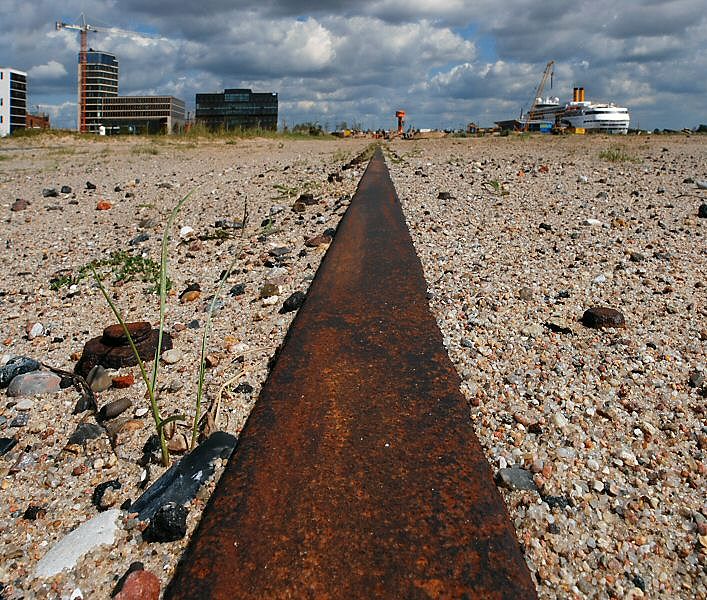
(330, 231)
(515, 478)
(7, 444)
(85, 432)
(49, 193)
(17, 366)
(269, 222)
(65, 189)
(280, 251)
(237, 290)
(168, 524)
(20, 420)
(444, 196)
(639, 583)
(244, 388)
(228, 224)
(194, 324)
(117, 188)
(556, 501)
(555, 328)
(182, 481)
(135, 566)
(34, 512)
(307, 199)
(546, 226)
(702, 211)
(90, 186)
(293, 302)
(138, 239)
(100, 489)
(696, 379)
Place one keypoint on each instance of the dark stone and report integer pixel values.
(138, 239)
(598, 317)
(194, 324)
(307, 199)
(49, 193)
(17, 366)
(7, 444)
(66, 189)
(445, 196)
(545, 226)
(696, 379)
(702, 211)
(20, 420)
(117, 188)
(330, 231)
(100, 490)
(535, 428)
(244, 388)
(19, 204)
(115, 408)
(182, 481)
(135, 566)
(636, 257)
(90, 186)
(237, 290)
(557, 502)
(269, 222)
(317, 240)
(515, 478)
(639, 583)
(280, 251)
(85, 432)
(112, 351)
(168, 524)
(293, 302)
(228, 224)
(34, 512)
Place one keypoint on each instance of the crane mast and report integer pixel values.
(84, 28)
(538, 94)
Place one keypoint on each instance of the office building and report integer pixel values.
(13, 100)
(141, 115)
(237, 108)
(101, 81)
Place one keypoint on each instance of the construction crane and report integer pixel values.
(538, 94)
(85, 28)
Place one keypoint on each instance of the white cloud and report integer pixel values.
(52, 70)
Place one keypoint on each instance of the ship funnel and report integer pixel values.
(575, 94)
(581, 94)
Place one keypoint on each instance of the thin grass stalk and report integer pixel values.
(163, 285)
(151, 392)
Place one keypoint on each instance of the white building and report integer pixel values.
(13, 100)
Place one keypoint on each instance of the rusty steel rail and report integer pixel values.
(358, 474)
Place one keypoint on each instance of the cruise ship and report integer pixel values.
(602, 118)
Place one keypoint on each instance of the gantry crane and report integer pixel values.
(538, 94)
(85, 28)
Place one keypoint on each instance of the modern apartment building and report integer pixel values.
(142, 114)
(237, 108)
(13, 100)
(101, 82)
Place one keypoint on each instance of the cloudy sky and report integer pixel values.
(445, 62)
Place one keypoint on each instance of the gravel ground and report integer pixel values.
(54, 236)
(530, 233)
(518, 237)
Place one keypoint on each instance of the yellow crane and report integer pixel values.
(85, 28)
(538, 94)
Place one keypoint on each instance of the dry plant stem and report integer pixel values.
(150, 389)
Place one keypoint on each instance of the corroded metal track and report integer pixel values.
(358, 474)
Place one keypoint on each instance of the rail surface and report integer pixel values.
(358, 474)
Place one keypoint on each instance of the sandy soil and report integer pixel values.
(530, 233)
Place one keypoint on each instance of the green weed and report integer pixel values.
(617, 154)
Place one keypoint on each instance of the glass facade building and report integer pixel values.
(13, 100)
(142, 114)
(237, 108)
(101, 82)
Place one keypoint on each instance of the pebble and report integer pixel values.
(16, 366)
(293, 302)
(600, 317)
(318, 240)
(103, 205)
(515, 478)
(99, 530)
(49, 193)
(268, 290)
(139, 585)
(702, 211)
(168, 524)
(34, 329)
(34, 384)
(19, 204)
(173, 356)
(99, 379)
(115, 408)
(187, 233)
(122, 382)
(141, 412)
(25, 404)
(85, 432)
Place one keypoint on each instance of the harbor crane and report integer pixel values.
(548, 74)
(85, 28)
